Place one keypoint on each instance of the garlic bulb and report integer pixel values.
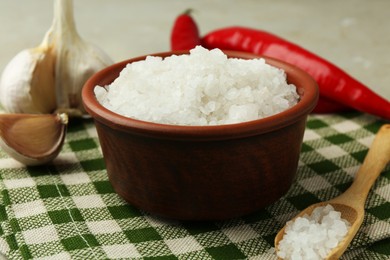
(32, 139)
(50, 77)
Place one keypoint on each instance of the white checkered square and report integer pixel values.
(378, 230)
(240, 233)
(183, 245)
(300, 163)
(75, 178)
(331, 152)
(89, 201)
(10, 163)
(92, 132)
(103, 227)
(310, 135)
(29, 209)
(40, 235)
(367, 141)
(4, 247)
(346, 126)
(351, 171)
(66, 158)
(384, 192)
(121, 251)
(19, 183)
(158, 222)
(315, 183)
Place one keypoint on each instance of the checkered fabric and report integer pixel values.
(69, 210)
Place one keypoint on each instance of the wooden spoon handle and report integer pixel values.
(376, 160)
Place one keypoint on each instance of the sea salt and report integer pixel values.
(204, 87)
(313, 237)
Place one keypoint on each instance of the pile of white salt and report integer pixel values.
(201, 88)
(313, 237)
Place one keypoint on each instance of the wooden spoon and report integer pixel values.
(32, 139)
(351, 202)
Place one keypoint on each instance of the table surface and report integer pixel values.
(68, 210)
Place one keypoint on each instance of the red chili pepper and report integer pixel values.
(335, 85)
(185, 33)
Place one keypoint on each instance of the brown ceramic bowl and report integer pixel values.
(202, 172)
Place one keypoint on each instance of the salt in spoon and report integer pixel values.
(33, 139)
(351, 202)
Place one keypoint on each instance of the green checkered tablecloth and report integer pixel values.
(68, 209)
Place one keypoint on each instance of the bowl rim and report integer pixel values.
(308, 91)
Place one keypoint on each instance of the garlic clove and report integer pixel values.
(27, 82)
(75, 56)
(49, 78)
(87, 60)
(33, 139)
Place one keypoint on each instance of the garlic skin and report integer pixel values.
(49, 78)
(27, 83)
(32, 139)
